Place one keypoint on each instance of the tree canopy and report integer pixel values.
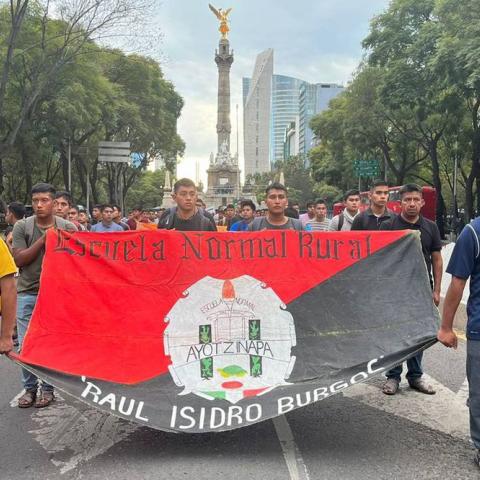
(413, 103)
(62, 91)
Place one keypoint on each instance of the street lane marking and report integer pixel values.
(444, 411)
(14, 400)
(293, 458)
(462, 394)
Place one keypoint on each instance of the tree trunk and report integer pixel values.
(82, 178)
(469, 196)
(64, 163)
(27, 167)
(476, 156)
(93, 181)
(437, 183)
(2, 188)
(17, 16)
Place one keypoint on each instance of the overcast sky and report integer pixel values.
(314, 40)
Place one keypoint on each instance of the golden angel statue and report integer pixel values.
(222, 15)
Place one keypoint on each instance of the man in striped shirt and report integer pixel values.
(319, 223)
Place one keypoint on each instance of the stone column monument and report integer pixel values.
(223, 172)
(224, 60)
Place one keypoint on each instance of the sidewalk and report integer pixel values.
(461, 315)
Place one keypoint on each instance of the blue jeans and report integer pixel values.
(414, 366)
(473, 375)
(25, 304)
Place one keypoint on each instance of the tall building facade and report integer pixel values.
(271, 105)
(313, 99)
(257, 95)
(291, 140)
(285, 107)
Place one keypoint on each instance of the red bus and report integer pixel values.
(428, 210)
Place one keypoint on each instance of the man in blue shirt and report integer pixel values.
(247, 210)
(465, 263)
(107, 224)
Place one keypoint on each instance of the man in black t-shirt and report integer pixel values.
(410, 219)
(377, 213)
(186, 216)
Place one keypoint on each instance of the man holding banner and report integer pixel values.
(465, 264)
(28, 252)
(411, 219)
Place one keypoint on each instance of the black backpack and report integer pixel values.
(167, 220)
(259, 224)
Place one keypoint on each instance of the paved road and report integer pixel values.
(360, 434)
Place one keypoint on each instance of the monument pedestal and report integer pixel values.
(223, 185)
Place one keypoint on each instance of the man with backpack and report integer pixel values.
(343, 221)
(275, 219)
(186, 216)
(377, 213)
(28, 248)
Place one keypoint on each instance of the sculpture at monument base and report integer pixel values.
(167, 201)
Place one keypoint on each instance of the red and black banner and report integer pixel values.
(200, 332)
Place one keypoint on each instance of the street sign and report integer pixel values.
(366, 168)
(118, 152)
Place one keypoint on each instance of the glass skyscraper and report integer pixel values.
(285, 107)
(314, 98)
(257, 97)
(270, 104)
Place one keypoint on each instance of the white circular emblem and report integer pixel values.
(229, 339)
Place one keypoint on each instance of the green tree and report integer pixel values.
(147, 190)
(457, 65)
(402, 41)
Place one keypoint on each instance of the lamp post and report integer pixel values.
(455, 170)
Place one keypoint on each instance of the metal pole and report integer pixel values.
(122, 206)
(359, 183)
(455, 174)
(455, 210)
(69, 165)
(88, 189)
(385, 169)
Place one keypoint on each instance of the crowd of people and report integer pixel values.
(22, 253)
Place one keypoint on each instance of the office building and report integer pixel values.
(313, 99)
(257, 94)
(285, 107)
